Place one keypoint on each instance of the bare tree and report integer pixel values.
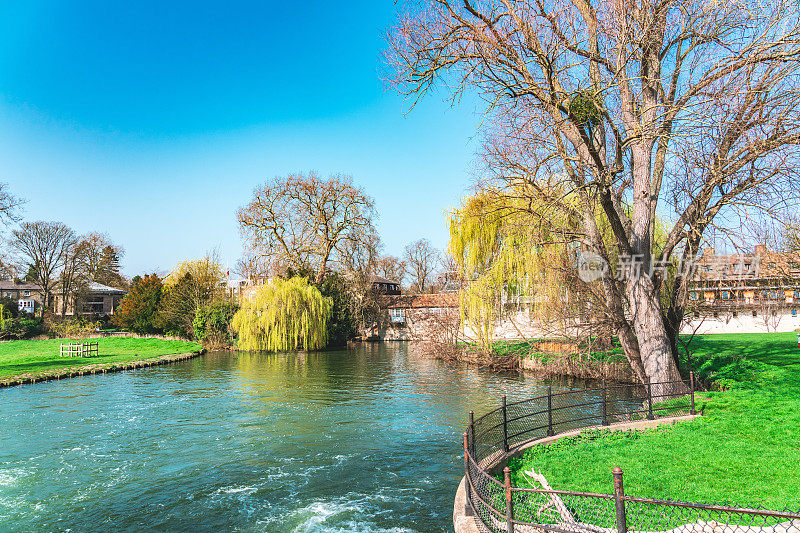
(791, 235)
(9, 205)
(101, 258)
(609, 112)
(305, 222)
(74, 274)
(7, 269)
(421, 260)
(9, 213)
(358, 260)
(252, 266)
(44, 246)
(391, 268)
(769, 314)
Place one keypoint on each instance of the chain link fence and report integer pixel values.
(500, 507)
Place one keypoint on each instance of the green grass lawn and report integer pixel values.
(42, 356)
(744, 451)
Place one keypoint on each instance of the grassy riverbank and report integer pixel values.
(745, 450)
(41, 357)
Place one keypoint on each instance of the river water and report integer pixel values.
(353, 440)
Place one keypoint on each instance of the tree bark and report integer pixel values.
(630, 348)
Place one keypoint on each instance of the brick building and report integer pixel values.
(28, 296)
(745, 292)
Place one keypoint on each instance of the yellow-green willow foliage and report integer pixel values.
(519, 243)
(283, 315)
(501, 247)
(206, 271)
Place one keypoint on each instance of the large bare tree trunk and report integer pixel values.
(630, 348)
(654, 345)
(648, 323)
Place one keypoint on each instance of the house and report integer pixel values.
(98, 299)
(416, 316)
(27, 295)
(757, 292)
(247, 291)
(384, 286)
(235, 287)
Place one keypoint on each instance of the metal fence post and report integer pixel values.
(605, 402)
(550, 411)
(467, 481)
(619, 501)
(509, 501)
(692, 411)
(505, 426)
(472, 434)
(649, 400)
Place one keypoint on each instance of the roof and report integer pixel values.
(379, 279)
(762, 265)
(99, 287)
(93, 287)
(9, 285)
(419, 301)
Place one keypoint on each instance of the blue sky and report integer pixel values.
(153, 121)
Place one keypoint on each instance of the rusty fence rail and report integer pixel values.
(500, 507)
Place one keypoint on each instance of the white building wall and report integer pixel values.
(744, 323)
(522, 326)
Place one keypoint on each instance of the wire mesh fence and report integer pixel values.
(499, 506)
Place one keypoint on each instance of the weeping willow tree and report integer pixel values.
(504, 253)
(516, 245)
(283, 315)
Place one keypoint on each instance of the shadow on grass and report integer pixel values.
(56, 364)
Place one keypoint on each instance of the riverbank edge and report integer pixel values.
(97, 368)
(556, 366)
(468, 524)
(566, 366)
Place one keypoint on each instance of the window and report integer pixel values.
(726, 295)
(755, 313)
(92, 306)
(716, 314)
(797, 294)
(694, 296)
(735, 314)
(27, 293)
(794, 312)
(396, 315)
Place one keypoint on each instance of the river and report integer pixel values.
(352, 440)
